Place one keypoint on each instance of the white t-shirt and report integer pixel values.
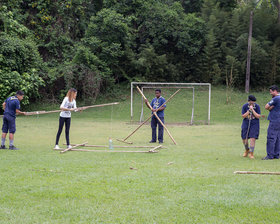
(68, 105)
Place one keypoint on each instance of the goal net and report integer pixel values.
(191, 105)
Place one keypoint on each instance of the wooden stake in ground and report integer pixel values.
(124, 140)
(154, 113)
(257, 172)
(78, 109)
(73, 147)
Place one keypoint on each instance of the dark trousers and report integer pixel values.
(273, 140)
(154, 123)
(67, 121)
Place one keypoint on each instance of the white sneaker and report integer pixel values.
(69, 146)
(56, 147)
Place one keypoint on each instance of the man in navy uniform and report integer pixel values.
(155, 104)
(251, 112)
(273, 131)
(11, 107)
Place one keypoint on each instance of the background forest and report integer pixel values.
(48, 46)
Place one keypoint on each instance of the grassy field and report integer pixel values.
(192, 182)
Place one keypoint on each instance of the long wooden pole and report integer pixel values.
(78, 109)
(149, 117)
(94, 150)
(154, 113)
(73, 147)
(115, 146)
(257, 172)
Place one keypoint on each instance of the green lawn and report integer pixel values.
(39, 185)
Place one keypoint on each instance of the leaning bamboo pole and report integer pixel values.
(154, 113)
(124, 140)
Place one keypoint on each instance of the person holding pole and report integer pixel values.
(68, 105)
(11, 108)
(273, 130)
(251, 112)
(156, 104)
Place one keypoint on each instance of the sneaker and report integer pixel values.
(251, 155)
(266, 158)
(3, 147)
(12, 147)
(69, 146)
(56, 147)
(152, 141)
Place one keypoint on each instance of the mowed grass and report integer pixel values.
(192, 182)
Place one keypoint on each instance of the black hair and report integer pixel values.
(158, 90)
(252, 98)
(274, 87)
(20, 93)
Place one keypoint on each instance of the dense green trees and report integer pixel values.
(92, 45)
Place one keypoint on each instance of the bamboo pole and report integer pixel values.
(65, 150)
(154, 113)
(124, 140)
(257, 172)
(94, 150)
(78, 109)
(153, 149)
(115, 146)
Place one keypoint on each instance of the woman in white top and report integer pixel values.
(68, 105)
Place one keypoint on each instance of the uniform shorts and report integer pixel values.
(9, 124)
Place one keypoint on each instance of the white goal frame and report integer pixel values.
(169, 85)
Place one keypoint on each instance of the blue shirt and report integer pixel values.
(156, 103)
(254, 120)
(274, 114)
(12, 104)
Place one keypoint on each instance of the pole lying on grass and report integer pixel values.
(71, 148)
(256, 172)
(94, 150)
(115, 146)
(78, 109)
(154, 113)
(124, 140)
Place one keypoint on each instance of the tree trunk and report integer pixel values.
(247, 84)
(278, 9)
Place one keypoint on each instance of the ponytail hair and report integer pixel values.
(71, 94)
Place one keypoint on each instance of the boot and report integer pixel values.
(245, 154)
(251, 155)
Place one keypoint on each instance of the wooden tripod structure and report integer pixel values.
(154, 114)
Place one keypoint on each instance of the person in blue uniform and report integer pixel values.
(11, 107)
(155, 104)
(251, 112)
(273, 130)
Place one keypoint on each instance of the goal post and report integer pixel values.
(164, 85)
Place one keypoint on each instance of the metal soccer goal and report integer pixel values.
(193, 87)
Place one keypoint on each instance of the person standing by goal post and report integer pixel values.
(251, 112)
(156, 104)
